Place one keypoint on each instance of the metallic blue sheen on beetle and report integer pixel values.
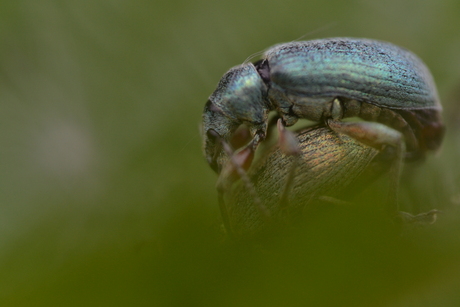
(374, 80)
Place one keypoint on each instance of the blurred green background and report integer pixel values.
(106, 200)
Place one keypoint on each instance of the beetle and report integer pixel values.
(328, 168)
(326, 165)
(326, 80)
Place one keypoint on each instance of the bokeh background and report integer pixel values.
(106, 200)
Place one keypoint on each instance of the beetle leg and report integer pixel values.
(395, 120)
(289, 145)
(271, 123)
(422, 219)
(378, 136)
(224, 212)
(335, 201)
(236, 168)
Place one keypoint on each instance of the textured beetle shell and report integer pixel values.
(329, 163)
(367, 70)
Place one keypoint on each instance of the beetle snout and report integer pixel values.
(214, 165)
(213, 147)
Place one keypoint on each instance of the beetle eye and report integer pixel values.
(211, 107)
(212, 135)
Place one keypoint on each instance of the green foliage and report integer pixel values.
(106, 200)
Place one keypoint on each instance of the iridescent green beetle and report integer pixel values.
(327, 80)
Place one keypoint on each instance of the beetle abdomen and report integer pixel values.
(371, 71)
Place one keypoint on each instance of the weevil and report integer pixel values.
(282, 186)
(285, 185)
(326, 80)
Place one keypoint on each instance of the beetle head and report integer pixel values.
(240, 98)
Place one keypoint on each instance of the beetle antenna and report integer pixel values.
(328, 26)
(194, 137)
(256, 54)
(318, 30)
(289, 146)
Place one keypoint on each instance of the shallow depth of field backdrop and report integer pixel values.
(106, 200)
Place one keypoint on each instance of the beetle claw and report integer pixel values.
(424, 218)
